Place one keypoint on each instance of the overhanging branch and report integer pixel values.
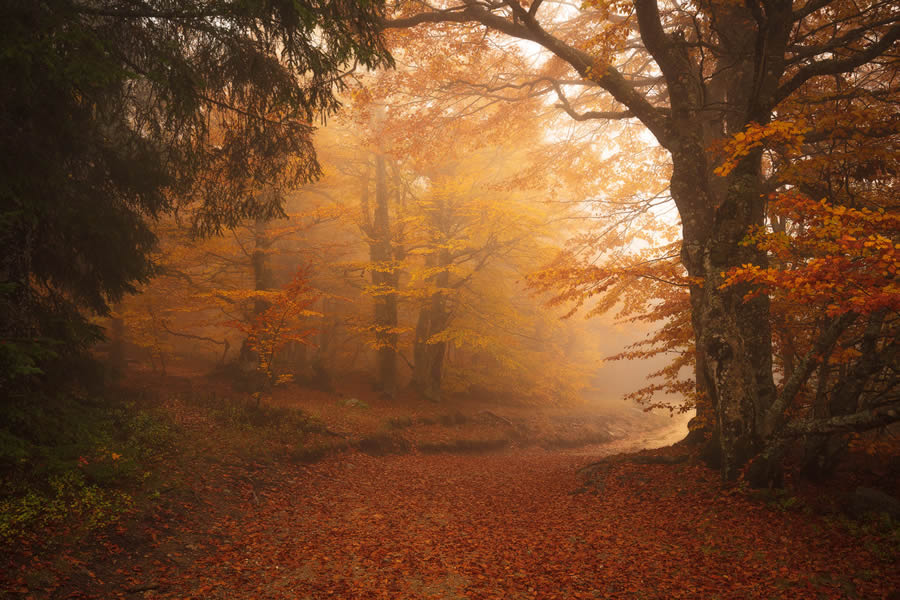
(524, 26)
(864, 420)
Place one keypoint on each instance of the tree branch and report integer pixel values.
(190, 336)
(526, 27)
(863, 420)
(592, 114)
(804, 52)
(774, 418)
(809, 8)
(532, 10)
(835, 66)
(655, 38)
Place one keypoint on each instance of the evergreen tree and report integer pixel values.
(117, 111)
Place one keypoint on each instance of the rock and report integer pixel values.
(869, 500)
(354, 403)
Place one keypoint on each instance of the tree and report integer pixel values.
(696, 77)
(252, 289)
(473, 197)
(383, 254)
(831, 240)
(283, 320)
(115, 113)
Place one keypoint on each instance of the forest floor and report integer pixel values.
(244, 512)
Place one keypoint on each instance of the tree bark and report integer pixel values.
(732, 337)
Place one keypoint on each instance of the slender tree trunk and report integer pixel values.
(327, 338)
(428, 355)
(263, 280)
(385, 279)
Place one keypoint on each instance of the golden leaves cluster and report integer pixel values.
(787, 135)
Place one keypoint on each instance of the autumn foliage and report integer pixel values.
(835, 259)
(374, 357)
(282, 319)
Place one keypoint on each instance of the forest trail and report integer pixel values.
(511, 525)
(230, 521)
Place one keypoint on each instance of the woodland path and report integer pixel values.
(504, 525)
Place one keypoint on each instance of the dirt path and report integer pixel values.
(502, 525)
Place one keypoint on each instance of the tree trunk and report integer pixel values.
(327, 338)
(385, 279)
(428, 356)
(248, 360)
(732, 336)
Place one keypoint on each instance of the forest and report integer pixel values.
(450, 299)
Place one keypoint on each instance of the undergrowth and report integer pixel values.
(74, 461)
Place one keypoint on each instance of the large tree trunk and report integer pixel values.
(732, 336)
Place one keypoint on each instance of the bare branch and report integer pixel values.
(835, 65)
(190, 336)
(566, 106)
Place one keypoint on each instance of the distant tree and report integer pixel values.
(384, 250)
(115, 112)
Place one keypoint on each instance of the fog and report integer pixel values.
(437, 271)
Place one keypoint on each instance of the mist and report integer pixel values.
(450, 300)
